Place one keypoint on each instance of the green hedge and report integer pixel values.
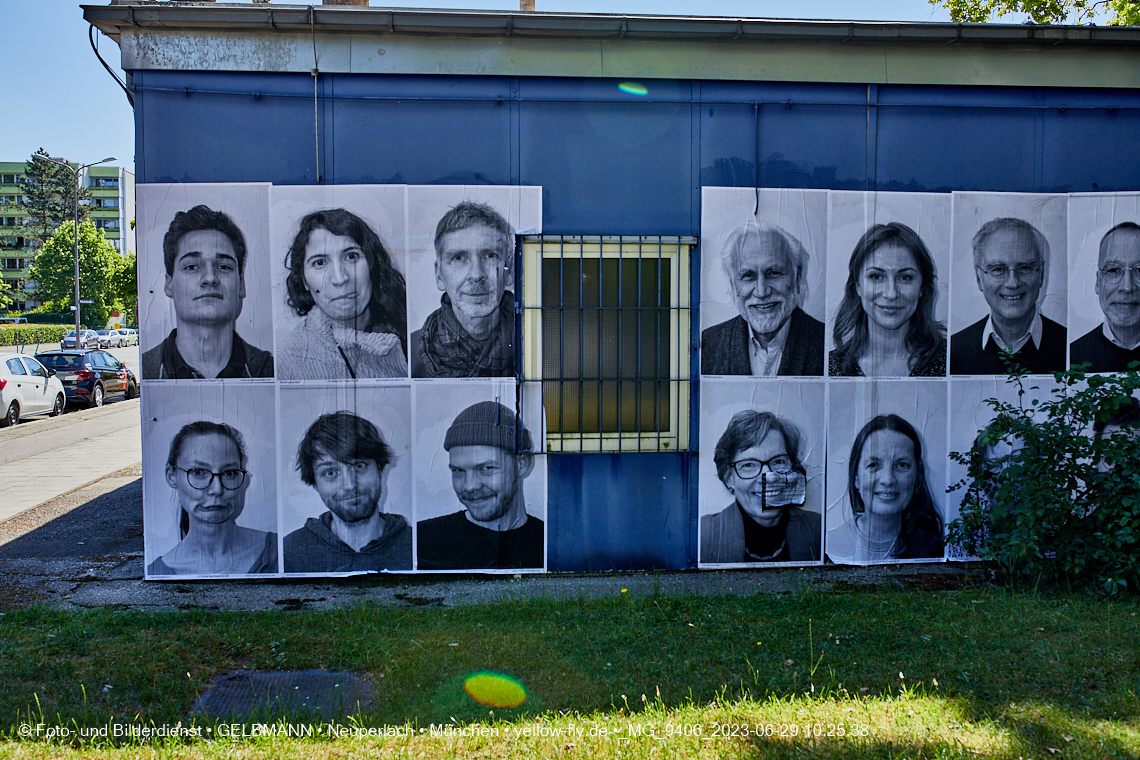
(12, 335)
(47, 317)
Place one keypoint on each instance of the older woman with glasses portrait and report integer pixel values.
(206, 470)
(758, 461)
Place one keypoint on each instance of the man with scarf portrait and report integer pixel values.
(472, 333)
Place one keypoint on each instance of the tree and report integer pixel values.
(5, 293)
(1123, 12)
(99, 263)
(126, 287)
(49, 196)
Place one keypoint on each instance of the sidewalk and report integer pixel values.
(30, 349)
(40, 462)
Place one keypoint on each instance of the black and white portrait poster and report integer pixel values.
(971, 418)
(1009, 282)
(209, 480)
(204, 287)
(480, 494)
(461, 278)
(887, 284)
(762, 296)
(346, 477)
(339, 289)
(1104, 256)
(761, 469)
(886, 471)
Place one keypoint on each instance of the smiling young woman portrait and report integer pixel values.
(885, 326)
(893, 510)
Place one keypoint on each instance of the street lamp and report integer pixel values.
(75, 172)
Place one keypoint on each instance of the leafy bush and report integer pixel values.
(11, 335)
(1062, 506)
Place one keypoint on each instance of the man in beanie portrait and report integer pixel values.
(472, 333)
(343, 457)
(489, 456)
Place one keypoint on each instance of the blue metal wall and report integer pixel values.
(610, 162)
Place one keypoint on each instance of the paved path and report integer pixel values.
(42, 460)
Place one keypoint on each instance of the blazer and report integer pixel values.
(968, 358)
(722, 536)
(725, 351)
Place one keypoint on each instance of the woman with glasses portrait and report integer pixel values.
(206, 470)
(758, 460)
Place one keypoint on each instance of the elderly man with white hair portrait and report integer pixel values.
(771, 335)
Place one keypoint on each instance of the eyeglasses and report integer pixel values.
(201, 478)
(1115, 274)
(747, 469)
(999, 272)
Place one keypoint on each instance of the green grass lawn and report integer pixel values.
(968, 673)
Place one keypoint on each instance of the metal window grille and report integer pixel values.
(606, 324)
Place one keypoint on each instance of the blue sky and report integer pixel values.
(70, 106)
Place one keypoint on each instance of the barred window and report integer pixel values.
(606, 331)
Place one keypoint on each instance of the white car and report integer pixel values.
(26, 388)
(130, 336)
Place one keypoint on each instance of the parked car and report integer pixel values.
(130, 336)
(27, 387)
(91, 376)
(110, 338)
(90, 340)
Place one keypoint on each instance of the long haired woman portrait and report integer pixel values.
(353, 300)
(892, 508)
(885, 326)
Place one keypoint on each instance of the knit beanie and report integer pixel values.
(487, 424)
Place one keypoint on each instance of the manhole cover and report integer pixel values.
(303, 693)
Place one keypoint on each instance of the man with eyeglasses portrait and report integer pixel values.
(344, 458)
(758, 460)
(1011, 264)
(1115, 343)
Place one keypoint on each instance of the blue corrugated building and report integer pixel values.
(622, 120)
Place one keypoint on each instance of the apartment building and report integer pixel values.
(111, 207)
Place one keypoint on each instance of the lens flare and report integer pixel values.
(495, 689)
(633, 88)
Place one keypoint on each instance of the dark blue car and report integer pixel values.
(91, 376)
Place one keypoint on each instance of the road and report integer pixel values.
(43, 458)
